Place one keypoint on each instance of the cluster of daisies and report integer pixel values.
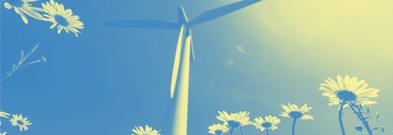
(345, 91)
(51, 11)
(16, 120)
(232, 121)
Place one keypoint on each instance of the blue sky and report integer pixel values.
(111, 79)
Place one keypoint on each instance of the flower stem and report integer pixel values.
(340, 115)
(267, 131)
(293, 126)
(359, 114)
(241, 131)
(21, 63)
(23, 58)
(231, 131)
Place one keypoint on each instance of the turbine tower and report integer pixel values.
(184, 54)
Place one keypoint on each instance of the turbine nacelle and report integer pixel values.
(183, 20)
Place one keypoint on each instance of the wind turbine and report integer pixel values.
(184, 53)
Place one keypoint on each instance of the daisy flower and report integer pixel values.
(218, 129)
(267, 123)
(295, 112)
(234, 120)
(348, 90)
(4, 133)
(20, 121)
(24, 8)
(147, 130)
(61, 18)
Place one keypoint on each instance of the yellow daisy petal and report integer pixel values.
(4, 115)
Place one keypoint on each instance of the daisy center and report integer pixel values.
(295, 114)
(266, 124)
(233, 124)
(218, 132)
(16, 3)
(61, 20)
(19, 122)
(346, 95)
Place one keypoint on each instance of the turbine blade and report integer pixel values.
(142, 24)
(192, 48)
(182, 16)
(176, 61)
(221, 11)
